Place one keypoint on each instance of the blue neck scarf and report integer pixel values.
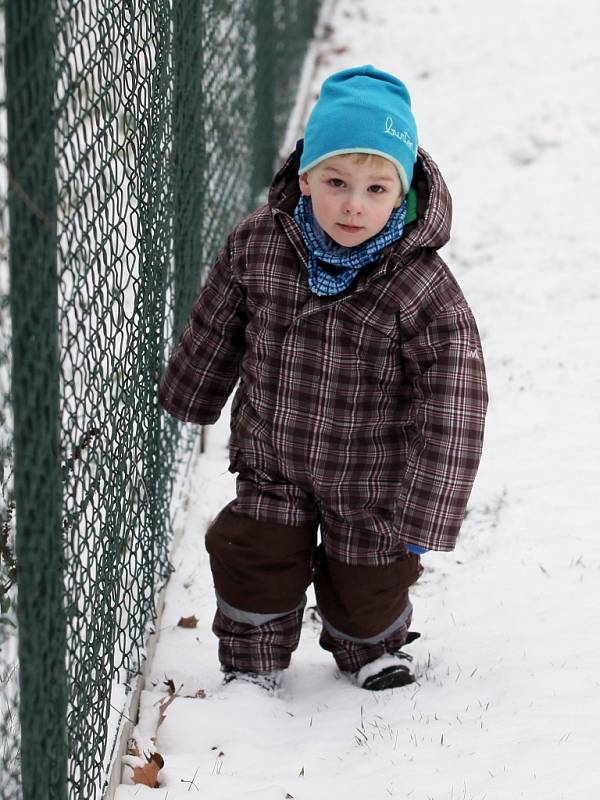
(332, 267)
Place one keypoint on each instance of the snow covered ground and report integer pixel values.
(508, 701)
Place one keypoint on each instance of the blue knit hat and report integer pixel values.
(362, 110)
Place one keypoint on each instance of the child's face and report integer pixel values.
(352, 199)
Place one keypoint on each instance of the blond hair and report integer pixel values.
(365, 158)
(356, 158)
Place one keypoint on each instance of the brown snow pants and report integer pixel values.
(261, 570)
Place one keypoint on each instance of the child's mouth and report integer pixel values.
(350, 228)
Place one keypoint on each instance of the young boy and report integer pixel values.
(361, 398)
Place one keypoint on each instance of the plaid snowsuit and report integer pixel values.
(360, 413)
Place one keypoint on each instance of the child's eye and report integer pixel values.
(376, 188)
(337, 182)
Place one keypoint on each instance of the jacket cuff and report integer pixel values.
(414, 548)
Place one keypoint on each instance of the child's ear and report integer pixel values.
(304, 184)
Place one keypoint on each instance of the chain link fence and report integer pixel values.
(133, 135)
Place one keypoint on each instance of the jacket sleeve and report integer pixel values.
(204, 367)
(444, 364)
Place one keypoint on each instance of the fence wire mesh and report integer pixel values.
(133, 135)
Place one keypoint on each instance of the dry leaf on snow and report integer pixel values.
(162, 707)
(148, 774)
(188, 622)
(133, 748)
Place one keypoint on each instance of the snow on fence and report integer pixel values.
(132, 136)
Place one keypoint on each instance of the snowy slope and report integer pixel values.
(508, 701)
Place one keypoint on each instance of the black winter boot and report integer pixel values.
(389, 671)
(269, 681)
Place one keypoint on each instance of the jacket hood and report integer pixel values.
(431, 229)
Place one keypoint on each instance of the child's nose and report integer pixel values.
(353, 204)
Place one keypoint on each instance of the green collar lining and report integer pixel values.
(411, 206)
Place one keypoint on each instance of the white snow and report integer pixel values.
(508, 700)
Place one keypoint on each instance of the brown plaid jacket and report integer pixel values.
(373, 400)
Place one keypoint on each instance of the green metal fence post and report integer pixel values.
(265, 144)
(310, 18)
(188, 155)
(37, 477)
